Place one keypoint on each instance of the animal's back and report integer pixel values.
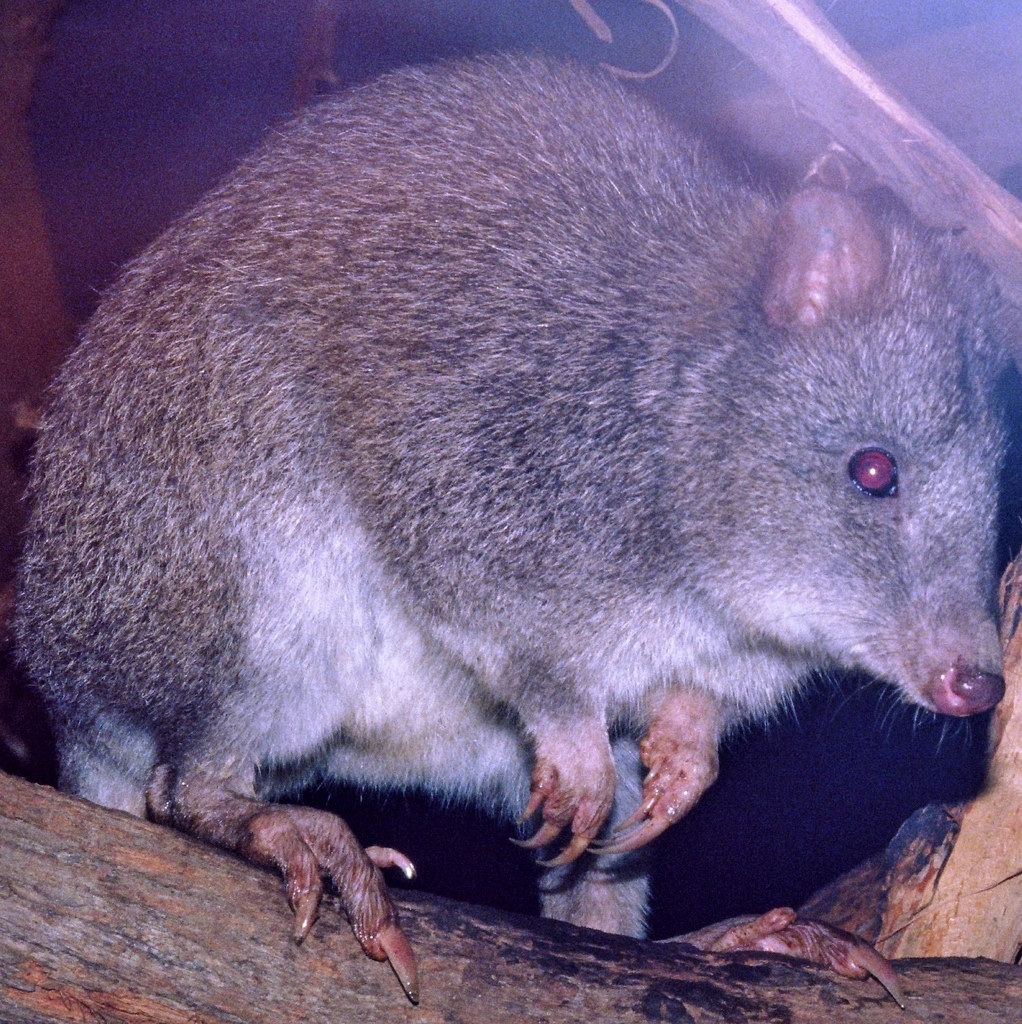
(466, 295)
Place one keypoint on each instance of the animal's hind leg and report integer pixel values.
(109, 763)
(609, 893)
(305, 845)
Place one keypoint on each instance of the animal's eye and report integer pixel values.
(874, 472)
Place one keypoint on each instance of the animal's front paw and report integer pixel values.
(680, 751)
(573, 782)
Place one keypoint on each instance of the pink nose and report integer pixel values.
(965, 690)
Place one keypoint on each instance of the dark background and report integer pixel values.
(143, 104)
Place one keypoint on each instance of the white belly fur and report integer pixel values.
(349, 684)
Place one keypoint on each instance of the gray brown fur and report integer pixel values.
(452, 418)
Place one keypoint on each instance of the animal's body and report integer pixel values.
(479, 419)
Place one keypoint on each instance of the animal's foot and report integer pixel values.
(780, 931)
(573, 782)
(680, 751)
(309, 845)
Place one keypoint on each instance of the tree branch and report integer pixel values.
(106, 917)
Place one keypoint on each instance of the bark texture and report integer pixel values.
(105, 917)
(963, 896)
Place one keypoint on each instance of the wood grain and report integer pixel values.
(971, 904)
(107, 918)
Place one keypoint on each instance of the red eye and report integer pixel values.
(874, 472)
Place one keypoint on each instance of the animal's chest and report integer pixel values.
(350, 681)
(352, 677)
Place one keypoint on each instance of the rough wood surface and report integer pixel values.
(894, 884)
(793, 42)
(964, 79)
(970, 904)
(104, 917)
(852, 901)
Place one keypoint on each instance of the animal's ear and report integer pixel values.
(826, 257)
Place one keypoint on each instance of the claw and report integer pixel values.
(306, 907)
(578, 845)
(639, 835)
(680, 752)
(639, 814)
(401, 958)
(866, 958)
(781, 931)
(547, 833)
(534, 804)
(385, 857)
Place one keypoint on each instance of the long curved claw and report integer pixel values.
(306, 909)
(572, 787)
(535, 802)
(302, 883)
(639, 814)
(866, 958)
(578, 845)
(546, 834)
(680, 751)
(639, 835)
(385, 857)
(782, 931)
(308, 846)
(401, 958)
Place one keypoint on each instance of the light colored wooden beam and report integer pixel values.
(796, 45)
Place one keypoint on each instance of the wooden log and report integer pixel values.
(106, 917)
(969, 902)
(796, 45)
(854, 900)
(964, 79)
(893, 884)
